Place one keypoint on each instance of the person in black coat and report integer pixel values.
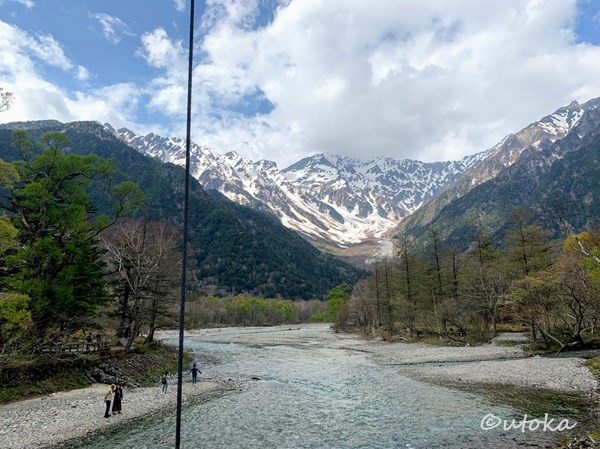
(117, 398)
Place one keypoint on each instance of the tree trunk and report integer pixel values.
(152, 324)
(123, 330)
(135, 330)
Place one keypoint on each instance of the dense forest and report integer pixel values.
(525, 281)
(83, 248)
(69, 268)
(235, 249)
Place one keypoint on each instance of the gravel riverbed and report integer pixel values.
(55, 419)
(487, 364)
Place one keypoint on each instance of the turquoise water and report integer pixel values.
(321, 398)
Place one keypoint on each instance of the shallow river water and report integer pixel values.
(322, 397)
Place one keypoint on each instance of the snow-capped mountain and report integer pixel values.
(535, 137)
(541, 143)
(339, 200)
(327, 198)
(366, 198)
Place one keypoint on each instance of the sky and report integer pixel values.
(429, 80)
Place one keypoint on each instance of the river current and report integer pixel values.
(296, 396)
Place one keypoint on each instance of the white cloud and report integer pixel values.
(22, 73)
(429, 80)
(37, 99)
(82, 74)
(179, 5)
(16, 44)
(27, 3)
(116, 104)
(112, 27)
(426, 80)
(159, 51)
(227, 13)
(50, 51)
(167, 93)
(168, 97)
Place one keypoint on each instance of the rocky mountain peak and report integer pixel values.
(345, 201)
(325, 197)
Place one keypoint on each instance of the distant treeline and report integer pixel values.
(549, 288)
(203, 311)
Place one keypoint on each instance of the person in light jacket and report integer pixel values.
(108, 399)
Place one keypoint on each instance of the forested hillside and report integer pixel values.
(559, 191)
(548, 166)
(236, 249)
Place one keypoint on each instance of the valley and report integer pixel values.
(347, 206)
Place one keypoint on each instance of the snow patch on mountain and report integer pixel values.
(324, 197)
(347, 201)
(562, 121)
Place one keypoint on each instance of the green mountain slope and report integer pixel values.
(568, 124)
(237, 249)
(558, 182)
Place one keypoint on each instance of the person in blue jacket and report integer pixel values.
(194, 372)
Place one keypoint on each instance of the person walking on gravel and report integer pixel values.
(118, 397)
(165, 382)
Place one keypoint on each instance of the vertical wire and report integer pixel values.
(185, 230)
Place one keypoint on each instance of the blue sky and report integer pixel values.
(281, 79)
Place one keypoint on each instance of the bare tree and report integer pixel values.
(144, 260)
(164, 285)
(408, 305)
(376, 291)
(486, 282)
(6, 99)
(577, 293)
(363, 307)
(438, 294)
(388, 297)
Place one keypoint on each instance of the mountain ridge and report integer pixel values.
(236, 249)
(352, 205)
(534, 168)
(535, 137)
(327, 198)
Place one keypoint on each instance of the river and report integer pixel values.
(314, 394)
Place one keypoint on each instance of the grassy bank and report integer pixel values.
(27, 377)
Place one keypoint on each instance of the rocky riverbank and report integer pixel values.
(52, 420)
(56, 419)
(487, 364)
